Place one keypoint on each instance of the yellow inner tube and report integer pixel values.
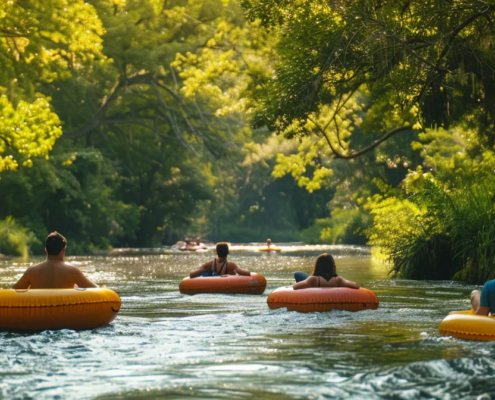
(40, 309)
(467, 325)
(269, 249)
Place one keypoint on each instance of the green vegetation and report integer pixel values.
(14, 239)
(137, 122)
(155, 135)
(404, 91)
(439, 225)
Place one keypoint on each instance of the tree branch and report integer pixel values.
(407, 48)
(100, 114)
(355, 154)
(7, 143)
(136, 122)
(456, 31)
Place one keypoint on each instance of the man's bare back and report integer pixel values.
(54, 273)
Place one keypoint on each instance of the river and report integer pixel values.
(165, 344)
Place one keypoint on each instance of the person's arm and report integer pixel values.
(240, 271)
(484, 308)
(81, 281)
(306, 284)
(345, 283)
(25, 281)
(201, 270)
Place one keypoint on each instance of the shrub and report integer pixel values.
(438, 232)
(14, 239)
(344, 226)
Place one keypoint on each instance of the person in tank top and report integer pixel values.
(220, 265)
(324, 275)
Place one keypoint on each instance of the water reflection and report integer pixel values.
(232, 346)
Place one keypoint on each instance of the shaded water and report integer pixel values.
(232, 346)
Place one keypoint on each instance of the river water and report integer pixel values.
(164, 344)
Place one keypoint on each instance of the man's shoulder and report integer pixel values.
(62, 266)
(36, 267)
(70, 268)
(490, 285)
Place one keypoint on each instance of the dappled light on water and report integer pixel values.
(164, 343)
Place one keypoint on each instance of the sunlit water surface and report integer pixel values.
(165, 344)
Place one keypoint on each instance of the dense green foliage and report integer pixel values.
(149, 95)
(421, 63)
(404, 91)
(440, 224)
(14, 239)
(137, 122)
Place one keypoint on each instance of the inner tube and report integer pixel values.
(467, 325)
(227, 284)
(269, 249)
(322, 299)
(41, 309)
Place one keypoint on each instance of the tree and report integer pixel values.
(27, 131)
(39, 41)
(423, 64)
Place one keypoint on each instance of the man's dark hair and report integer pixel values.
(54, 244)
(222, 249)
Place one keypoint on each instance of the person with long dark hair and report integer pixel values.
(324, 275)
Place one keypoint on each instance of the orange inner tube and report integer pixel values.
(227, 284)
(322, 299)
(41, 309)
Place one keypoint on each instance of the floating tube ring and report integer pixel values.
(467, 325)
(322, 299)
(226, 284)
(41, 309)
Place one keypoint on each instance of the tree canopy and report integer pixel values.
(422, 64)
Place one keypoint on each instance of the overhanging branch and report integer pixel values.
(355, 154)
(98, 118)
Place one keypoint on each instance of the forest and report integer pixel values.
(135, 123)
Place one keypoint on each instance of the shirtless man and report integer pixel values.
(54, 273)
(220, 265)
(268, 242)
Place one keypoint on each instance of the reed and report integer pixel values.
(451, 235)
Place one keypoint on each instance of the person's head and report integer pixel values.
(198, 240)
(55, 244)
(187, 240)
(325, 267)
(268, 241)
(222, 249)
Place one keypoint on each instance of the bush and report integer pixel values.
(438, 232)
(344, 226)
(14, 239)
